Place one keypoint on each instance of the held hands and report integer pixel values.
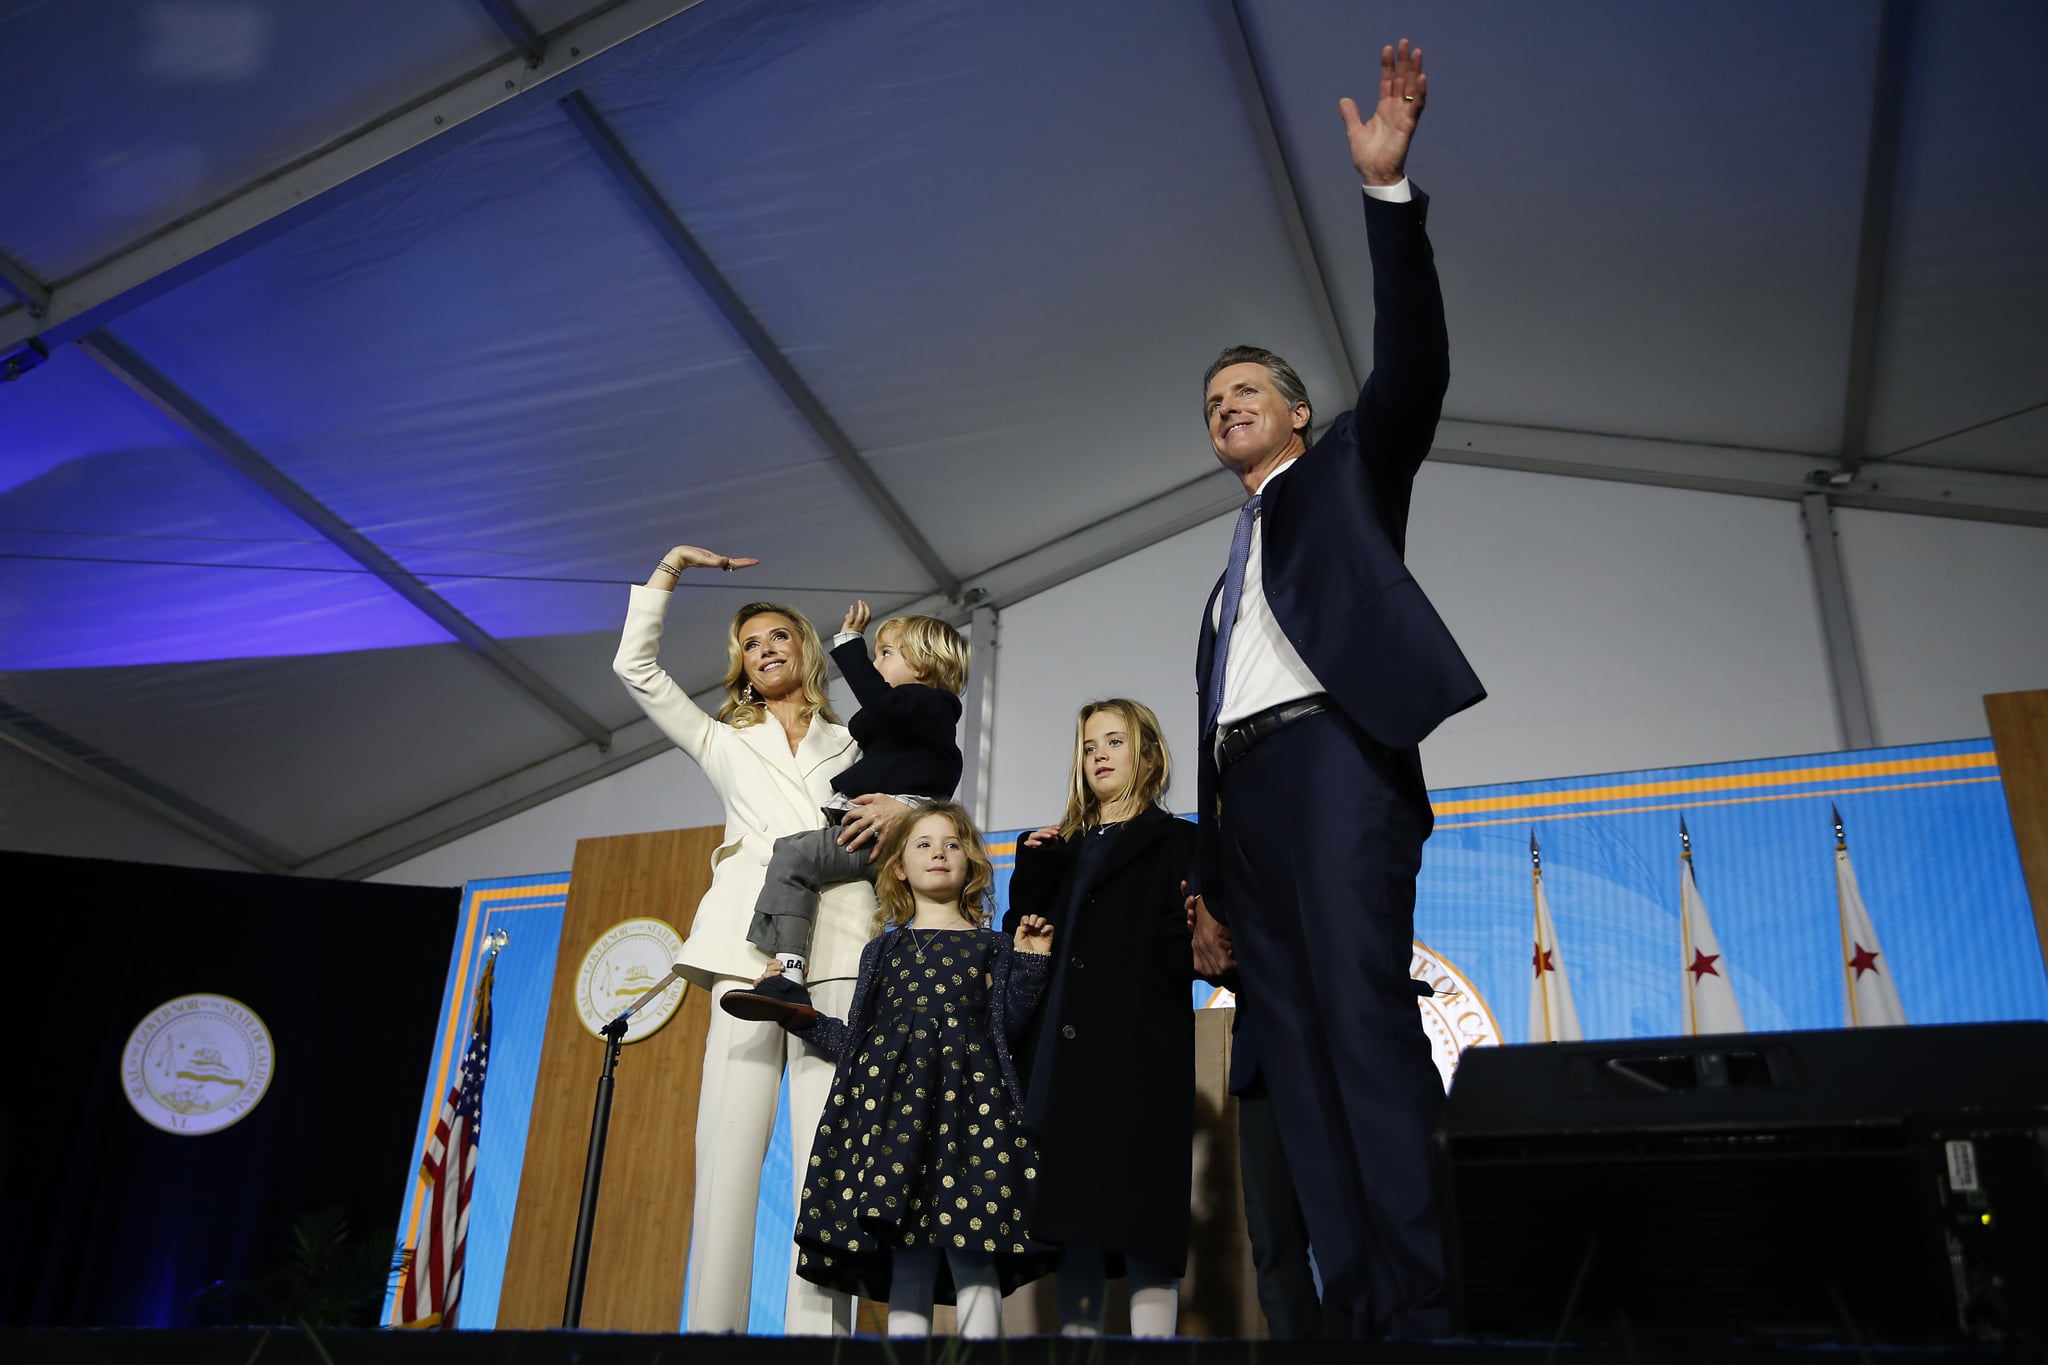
(1379, 145)
(1050, 833)
(1034, 935)
(857, 618)
(1213, 952)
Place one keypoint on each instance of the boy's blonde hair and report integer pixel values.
(931, 647)
(739, 712)
(894, 904)
(1149, 772)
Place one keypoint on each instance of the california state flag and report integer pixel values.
(1709, 997)
(1553, 1014)
(1871, 996)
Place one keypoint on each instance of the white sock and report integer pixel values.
(906, 1322)
(977, 1294)
(1155, 1309)
(792, 966)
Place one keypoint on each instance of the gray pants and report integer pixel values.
(801, 866)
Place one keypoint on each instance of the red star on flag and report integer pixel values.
(1541, 961)
(1703, 964)
(1863, 961)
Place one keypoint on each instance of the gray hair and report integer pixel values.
(1292, 390)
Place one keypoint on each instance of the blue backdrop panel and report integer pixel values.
(1927, 830)
(530, 910)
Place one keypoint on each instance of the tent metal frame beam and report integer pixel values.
(26, 288)
(577, 53)
(1244, 68)
(978, 712)
(1874, 234)
(516, 29)
(1846, 674)
(213, 434)
(113, 779)
(691, 255)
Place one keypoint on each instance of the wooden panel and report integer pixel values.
(2019, 731)
(641, 1244)
(1219, 1296)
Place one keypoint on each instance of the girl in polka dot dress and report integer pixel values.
(920, 1168)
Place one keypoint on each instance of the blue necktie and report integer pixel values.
(1233, 588)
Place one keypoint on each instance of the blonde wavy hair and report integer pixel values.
(894, 906)
(740, 712)
(931, 647)
(1149, 774)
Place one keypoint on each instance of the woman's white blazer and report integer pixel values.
(768, 792)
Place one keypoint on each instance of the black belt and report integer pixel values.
(1236, 740)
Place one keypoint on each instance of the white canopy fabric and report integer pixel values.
(379, 357)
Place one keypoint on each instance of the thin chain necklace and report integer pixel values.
(917, 948)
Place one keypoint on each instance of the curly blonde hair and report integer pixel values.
(739, 711)
(931, 647)
(1149, 773)
(894, 906)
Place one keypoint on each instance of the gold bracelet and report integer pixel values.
(671, 570)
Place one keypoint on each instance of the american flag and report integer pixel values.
(432, 1292)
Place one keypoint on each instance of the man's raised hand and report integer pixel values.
(1379, 145)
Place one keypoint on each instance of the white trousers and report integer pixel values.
(743, 1065)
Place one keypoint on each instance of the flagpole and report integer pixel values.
(1842, 921)
(1536, 886)
(1685, 926)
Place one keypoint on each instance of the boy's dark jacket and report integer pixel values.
(908, 735)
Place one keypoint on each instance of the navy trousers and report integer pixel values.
(1322, 832)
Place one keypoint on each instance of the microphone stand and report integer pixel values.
(593, 1165)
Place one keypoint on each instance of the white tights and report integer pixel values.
(914, 1278)
(1155, 1294)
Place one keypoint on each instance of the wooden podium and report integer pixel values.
(641, 1246)
(2019, 732)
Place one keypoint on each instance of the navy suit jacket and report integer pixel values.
(1335, 526)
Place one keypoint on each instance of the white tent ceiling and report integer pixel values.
(380, 355)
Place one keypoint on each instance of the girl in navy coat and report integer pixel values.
(1111, 1089)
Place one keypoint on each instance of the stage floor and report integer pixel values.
(291, 1346)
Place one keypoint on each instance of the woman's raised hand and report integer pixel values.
(684, 557)
(857, 618)
(697, 557)
(1039, 836)
(1034, 935)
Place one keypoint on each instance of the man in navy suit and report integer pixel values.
(1321, 668)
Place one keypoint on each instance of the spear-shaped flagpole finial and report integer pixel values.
(1684, 840)
(1841, 839)
(1535, 854)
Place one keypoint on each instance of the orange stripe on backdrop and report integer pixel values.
(1730, 801)
(449, 1026)
(1896, 767)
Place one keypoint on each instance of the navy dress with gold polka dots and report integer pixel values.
(920, 1144)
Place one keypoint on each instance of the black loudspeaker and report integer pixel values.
(1860, 1185)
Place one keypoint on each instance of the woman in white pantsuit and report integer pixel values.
(771, 754)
